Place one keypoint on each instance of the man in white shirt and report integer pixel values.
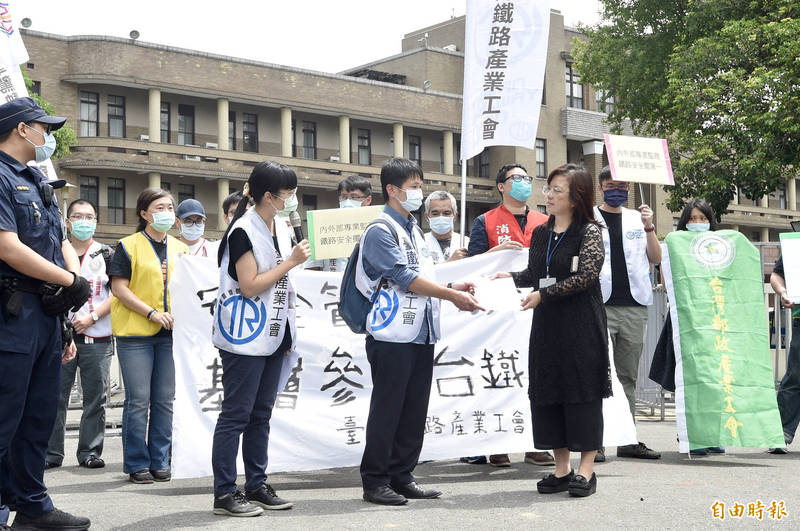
(191, 218)
(445, 245)
(631, 245)
(354, 192)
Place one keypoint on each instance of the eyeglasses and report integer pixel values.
(78, 217)
(291, 195)
(353, 197)
(520, 178)
(190, 223)
(555, 190)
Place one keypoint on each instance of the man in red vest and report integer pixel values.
(508, 226)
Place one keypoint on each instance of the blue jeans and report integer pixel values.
(250, 384)
(148, 372)
(94, 361)
(789, 390)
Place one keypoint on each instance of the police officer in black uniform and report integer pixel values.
(35, 291)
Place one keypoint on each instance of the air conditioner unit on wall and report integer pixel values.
(144, 138)
(191, 157)
(212, 145)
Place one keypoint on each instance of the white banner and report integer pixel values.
(504, 63)
(12, 50)
(479, 394)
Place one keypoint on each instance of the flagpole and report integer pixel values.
(463, 201)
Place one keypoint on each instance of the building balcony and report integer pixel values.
(582, 125)
(755, 216)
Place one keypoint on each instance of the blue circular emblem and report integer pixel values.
(247, 320)
(384, 310)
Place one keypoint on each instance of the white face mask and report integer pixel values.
(441, 224)
(194, 232)
(349, 203)
(698, 227)
(413, 200)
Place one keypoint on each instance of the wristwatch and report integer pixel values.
(95, 317)
(651, 228)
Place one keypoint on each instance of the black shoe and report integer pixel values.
(265, 497)
(639, 451)
(579, 486)
(384, 496)
(161, 475)
(93, 462)
(55, 519)
(551, 483)
(235, 504)
(412, 491)
(51, 465)
(600, 457)
(778, 451)
(142, 477)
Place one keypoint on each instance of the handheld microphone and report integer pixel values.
(297, 225)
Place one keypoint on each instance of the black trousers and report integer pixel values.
(401, 387)
(578, 427)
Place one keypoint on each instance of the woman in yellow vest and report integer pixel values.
(142, 324)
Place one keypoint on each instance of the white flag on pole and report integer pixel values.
(12, 49)
(504, 62)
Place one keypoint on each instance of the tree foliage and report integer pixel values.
(65, 135)
(719, 78)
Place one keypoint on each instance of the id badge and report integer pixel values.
(545, 282)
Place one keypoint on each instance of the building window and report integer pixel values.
(541, 158)
(309, 140)
(441, 159)
(185, 125)
(165, 125)
(605, 102)
(574, 88)
(415, 149)
(782, 196)
(310, 201)
(116, 116)
(457, 156)
(294, 140)
(542, 209)
(250, 132)
(166, 186)
(90, 187)
(364, 147)
(116, 201)
(89, 114)
(483, 164)
(36, 88)
(185, 191)
(232, 130)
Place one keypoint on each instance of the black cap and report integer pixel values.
(26, 110)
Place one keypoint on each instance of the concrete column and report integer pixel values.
(223, 186)
(791, 193)
(764, 203)
(764, 234)
(222, 124)
(735, 227)
(593, 162)
(344, 139)
(154, 114)
(447, 144)
(735, 196)
(154, 180)
(398, 140)
(286, 132)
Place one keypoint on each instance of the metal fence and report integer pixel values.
(651, 399)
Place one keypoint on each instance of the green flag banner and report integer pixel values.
(724, 384)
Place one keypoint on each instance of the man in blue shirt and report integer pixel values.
(36, 288)
(400, 343)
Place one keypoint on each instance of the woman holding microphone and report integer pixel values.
(254, 330)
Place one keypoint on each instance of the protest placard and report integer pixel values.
(333, 233)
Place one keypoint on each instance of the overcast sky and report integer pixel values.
(326, 35)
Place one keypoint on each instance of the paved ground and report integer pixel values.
(672, 493)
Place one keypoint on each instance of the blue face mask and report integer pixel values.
(615, 198)
(520, 190)
(46, 150)
(698, 227)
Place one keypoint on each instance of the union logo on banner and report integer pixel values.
(713, 250)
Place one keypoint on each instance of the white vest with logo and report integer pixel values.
(93, 269)
(634, 246)
(254, 326)
(397, 315)
(436, 249)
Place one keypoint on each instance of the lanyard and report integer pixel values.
(550, 254)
